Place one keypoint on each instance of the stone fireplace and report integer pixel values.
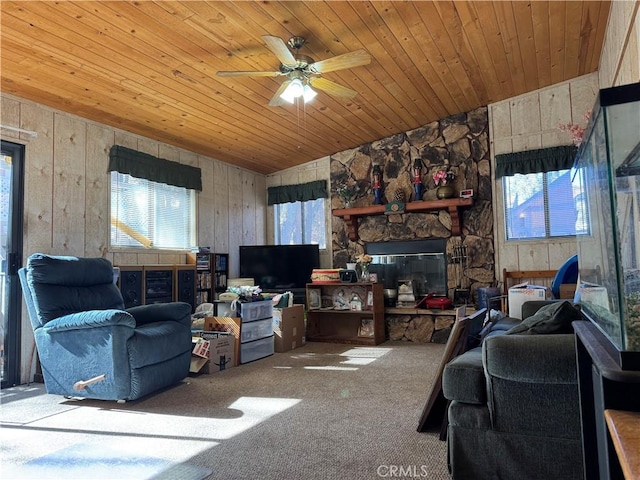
(459, 144)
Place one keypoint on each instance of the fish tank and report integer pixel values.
(608, 162)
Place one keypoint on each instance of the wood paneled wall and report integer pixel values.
(530, 122)
(620, 59)
(308, 172)
(67, 193)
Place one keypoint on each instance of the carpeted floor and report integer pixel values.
(323, 411)
(87, 461)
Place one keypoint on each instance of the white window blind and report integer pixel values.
(146, 214)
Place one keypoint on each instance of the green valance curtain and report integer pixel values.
(154, 169)
(535, 161)
(297, 193)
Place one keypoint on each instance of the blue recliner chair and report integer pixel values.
(88, 345)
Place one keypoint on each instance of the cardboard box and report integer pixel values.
(230, 325)
(288, 328)
(212, 352)
(523, 292)
(222, 353)
(568, 290)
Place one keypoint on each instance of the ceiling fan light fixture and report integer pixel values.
(302, 72)
(294, 90)
(308, 94)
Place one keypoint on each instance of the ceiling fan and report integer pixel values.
(303, 72)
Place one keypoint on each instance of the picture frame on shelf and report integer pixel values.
(339, 299)
(366, 328)
(315, 301)
(370, 299)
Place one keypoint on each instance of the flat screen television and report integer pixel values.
(279, 267)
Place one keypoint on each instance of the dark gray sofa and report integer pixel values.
(514, 410)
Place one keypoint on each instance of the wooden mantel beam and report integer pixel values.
(452, 205)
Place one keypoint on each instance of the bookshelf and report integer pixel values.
(345, 313)
(220, 272)
(212, 272)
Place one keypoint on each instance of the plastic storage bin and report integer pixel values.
(251, 311)
(255, 350)
(256, 330)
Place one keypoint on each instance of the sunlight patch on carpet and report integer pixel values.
(358, 361)
(371, 352)
(243, 414)
(330, 367)
(83, 461)
(355, 356)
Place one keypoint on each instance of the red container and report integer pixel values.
(431, 301)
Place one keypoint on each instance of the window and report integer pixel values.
(300, 222)
(545, 205)
(146, 214)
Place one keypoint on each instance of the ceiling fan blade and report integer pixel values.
(250, 74)
(280, 50)
(332, 88)
(346, 60)
(276, 101)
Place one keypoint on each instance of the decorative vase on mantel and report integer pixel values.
(445, 191)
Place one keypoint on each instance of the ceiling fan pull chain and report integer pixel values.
(304, 120)
(298, 115)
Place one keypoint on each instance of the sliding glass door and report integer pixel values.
(11, 208)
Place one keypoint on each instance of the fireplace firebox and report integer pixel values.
(420, 263)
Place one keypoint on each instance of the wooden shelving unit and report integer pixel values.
(212, 271)
(453, 205)
(359, 327)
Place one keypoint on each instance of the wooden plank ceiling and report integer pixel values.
(149, 67)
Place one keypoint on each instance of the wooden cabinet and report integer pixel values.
(146, 284)
(345, 313)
